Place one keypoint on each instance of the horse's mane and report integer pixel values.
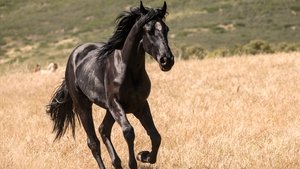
(125, 22)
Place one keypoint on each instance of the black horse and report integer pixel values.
(112, 75)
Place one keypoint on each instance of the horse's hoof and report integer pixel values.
(144, 156)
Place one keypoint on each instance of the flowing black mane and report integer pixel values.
(124, 21)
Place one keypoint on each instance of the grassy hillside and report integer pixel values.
(40, 31)
(238, 112)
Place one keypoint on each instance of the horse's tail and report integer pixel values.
(61, 111)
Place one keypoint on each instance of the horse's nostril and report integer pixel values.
(163, 60)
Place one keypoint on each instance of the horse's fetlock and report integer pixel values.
(116, 162)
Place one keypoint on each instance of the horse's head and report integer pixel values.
(155, 38)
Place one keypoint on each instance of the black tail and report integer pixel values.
(61, 111)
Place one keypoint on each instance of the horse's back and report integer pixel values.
(82, 51)
(84, 70)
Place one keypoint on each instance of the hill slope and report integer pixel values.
(42, 31)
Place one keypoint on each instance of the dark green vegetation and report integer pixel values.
(41, 31)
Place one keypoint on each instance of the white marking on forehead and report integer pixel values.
(158, 26)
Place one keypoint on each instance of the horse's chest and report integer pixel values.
(134, 94)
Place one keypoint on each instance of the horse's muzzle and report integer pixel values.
(166, 63)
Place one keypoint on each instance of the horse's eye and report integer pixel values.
(151, 31)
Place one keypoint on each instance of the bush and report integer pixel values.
(222, 52)
(285, 47)
(257, 47)
(189, 52)
(252, 48)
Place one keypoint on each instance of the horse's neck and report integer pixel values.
(133, 54)
(137, 60)
(132, 64)
(132, 42)
(135, 64)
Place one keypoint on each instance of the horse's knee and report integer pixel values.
(129, 133)
(93, 144)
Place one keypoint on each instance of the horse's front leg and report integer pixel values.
(120, 116)
(146, 120)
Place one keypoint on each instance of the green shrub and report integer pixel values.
(189, 52)
(285, 47)
(295, 8)
(218, 29)
(252, 48)
(257, 47)
(221, 52)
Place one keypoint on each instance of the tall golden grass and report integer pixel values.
(239, 112)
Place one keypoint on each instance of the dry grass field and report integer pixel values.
(238, 112)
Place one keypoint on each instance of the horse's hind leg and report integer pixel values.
(85, 113)
(146, 120)
(105, 132)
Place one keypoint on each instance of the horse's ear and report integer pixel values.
(142, 9)
(164, 9)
